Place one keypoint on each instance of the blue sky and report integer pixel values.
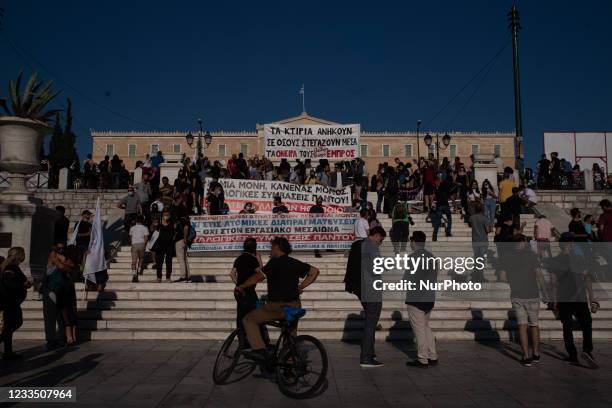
(383, 64)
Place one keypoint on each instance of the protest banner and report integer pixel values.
(304, 231)
(297, 197)
(311, 141)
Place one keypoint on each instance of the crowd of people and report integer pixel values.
(556, 173)
(157, 221)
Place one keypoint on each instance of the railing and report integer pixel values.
(35, 181)
(575, 180)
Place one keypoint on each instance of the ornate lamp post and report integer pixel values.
(446, 139)
(199, 146)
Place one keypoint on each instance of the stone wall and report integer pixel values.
(587, 202)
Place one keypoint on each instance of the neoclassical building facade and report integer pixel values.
(375, 147)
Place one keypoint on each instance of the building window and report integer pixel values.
(154, 149)
(386, 150)
(497, 150)
(363, 151)
(408, 150)
(221, 150)
(474, 149)
(131, 150)
(244, 149)
(110, 149)
(176, 148)
(453, 151)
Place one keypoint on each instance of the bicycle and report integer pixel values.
(292, 358)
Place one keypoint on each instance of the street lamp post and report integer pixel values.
(199, 146)
(418, 147)
(446, 139)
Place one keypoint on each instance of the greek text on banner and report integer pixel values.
(311, 141)
(297, 197)
(304, 231)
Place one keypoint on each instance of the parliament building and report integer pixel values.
(375, 146)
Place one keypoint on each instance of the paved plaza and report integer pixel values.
(178, 374)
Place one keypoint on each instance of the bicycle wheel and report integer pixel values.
(228, 357)
(301, 367)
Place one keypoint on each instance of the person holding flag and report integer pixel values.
(95, 263)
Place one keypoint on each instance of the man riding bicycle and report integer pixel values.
(283, 274)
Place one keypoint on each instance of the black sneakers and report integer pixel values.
(526, 362)
(418, 364)
(371, 363)
(535, 358)
(135, 279)
(571, 360)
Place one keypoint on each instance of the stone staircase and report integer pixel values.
(205, 309)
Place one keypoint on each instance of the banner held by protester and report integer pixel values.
(304, 231)
(338, 142)
(297, 197)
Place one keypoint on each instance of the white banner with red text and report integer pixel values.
(296, 197)
(304, 231)
(336, 142)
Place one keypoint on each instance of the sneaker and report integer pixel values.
(135, 279)
(571, 360)
(434, 238)
(181, 280)
(372, 363)
(417, 363)
(590, 360)
(448, 234)
(526, 362)
(535, 358)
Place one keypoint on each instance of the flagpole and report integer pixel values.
(303, 99)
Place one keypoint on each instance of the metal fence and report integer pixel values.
(36, 181)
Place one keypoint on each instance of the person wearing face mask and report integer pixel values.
(312, 178)
(249, 208)
(164, 246)
(132, 206)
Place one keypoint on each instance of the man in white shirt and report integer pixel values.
(529, 197)
(362, 226)
(139, 234)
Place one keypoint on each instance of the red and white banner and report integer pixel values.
(296, 197)
(311, 141)
(304, 231)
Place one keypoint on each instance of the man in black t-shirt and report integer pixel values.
(245, 266)
(573, 296)
(284, 288)
(442, 194)
(543, 172)
(576, 227)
